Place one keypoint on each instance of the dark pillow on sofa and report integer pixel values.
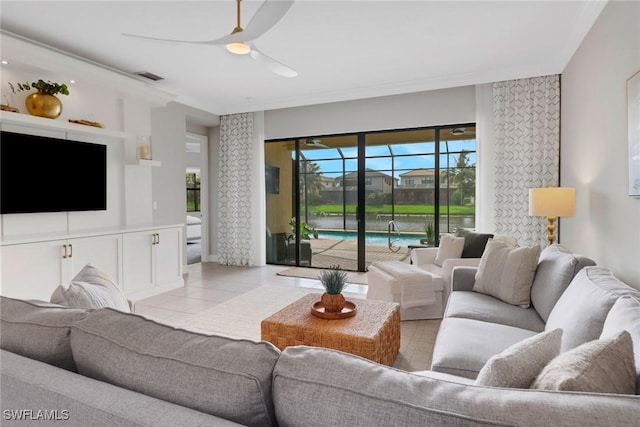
(474, 243)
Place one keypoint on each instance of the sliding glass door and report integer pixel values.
(354, 199)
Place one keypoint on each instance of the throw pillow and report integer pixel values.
(625, 316)
(474, 243)
(450, 247)
(601, 366)
(507, 272)
(91, 288)
(519, 365)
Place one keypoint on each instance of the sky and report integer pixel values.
(407, 157)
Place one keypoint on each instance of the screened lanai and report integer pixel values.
(353, 199)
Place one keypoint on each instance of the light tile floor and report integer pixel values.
(209, 284)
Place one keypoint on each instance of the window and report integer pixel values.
(409, 181)
(193, 191)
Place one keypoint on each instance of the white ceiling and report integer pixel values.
(341, 49)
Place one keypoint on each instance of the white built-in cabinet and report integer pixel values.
(38, 252)
(150, 259)
(33, 270)
(143, 262)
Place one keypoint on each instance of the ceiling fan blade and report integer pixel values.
(266, 17)
(273, 65)
(157, 39)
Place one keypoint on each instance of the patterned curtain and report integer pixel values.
(527, 149)
(235, 239)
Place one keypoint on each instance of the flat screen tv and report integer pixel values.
(40, 174)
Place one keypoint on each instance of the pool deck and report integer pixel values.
(329, 252)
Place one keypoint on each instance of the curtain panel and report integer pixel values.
(527, 152)
(235, 240)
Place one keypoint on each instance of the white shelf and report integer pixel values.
(153, 163)
(61, 124)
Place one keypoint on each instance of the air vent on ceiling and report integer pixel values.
(148, 75)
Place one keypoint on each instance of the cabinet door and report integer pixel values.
(33, 270)
(137, 261)
(102, 251)
(168, 256)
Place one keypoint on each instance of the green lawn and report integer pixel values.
(386, 209)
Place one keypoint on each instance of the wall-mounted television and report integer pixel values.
(41, 174)
(272, 179)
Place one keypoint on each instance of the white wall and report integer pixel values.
(168, 130)
(437, 107)
(594, 143)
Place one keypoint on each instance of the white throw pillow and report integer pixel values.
(91, 288)
(519, 365)
(507, 273)
(450, 247)
(600, 366)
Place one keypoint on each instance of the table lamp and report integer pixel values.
(552, 202)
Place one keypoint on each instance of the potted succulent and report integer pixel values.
(333, 281)
(44, 102)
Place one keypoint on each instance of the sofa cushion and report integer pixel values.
(38, 330)
(581, 310)
(74, 400)
(450, 247)
(315, 387)
(472, 305)
(625, 316)
(463, 346)
(91, 288)
(507, 272)
(474, 243)
(519, 365)
(556, 268)
(217, 375)
(600, 366)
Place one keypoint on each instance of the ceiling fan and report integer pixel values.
(266, 17)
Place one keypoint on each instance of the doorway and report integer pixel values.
(196, 199)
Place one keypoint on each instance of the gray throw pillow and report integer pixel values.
(507, 272)
(38, 330)
(474, 243)
(220, 376)
(91, 288)
(519, 365)
(601, 366)
(625, 316)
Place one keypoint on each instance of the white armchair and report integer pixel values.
(425, 259)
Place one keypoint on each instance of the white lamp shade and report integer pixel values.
(552, 201)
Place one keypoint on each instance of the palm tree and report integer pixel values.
(463, 176)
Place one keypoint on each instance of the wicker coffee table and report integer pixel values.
(373, 333)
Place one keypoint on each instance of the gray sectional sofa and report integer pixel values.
(104, 367)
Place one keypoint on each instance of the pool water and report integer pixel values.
(373, 238)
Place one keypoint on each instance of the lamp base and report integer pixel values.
(551, 228)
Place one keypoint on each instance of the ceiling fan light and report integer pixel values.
(239, 48)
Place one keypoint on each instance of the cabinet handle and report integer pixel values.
(65, 252)
(70, 251)
(158, 236)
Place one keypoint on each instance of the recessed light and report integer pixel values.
(72, 81)
(3, 62)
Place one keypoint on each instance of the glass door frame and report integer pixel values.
(361, 183)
